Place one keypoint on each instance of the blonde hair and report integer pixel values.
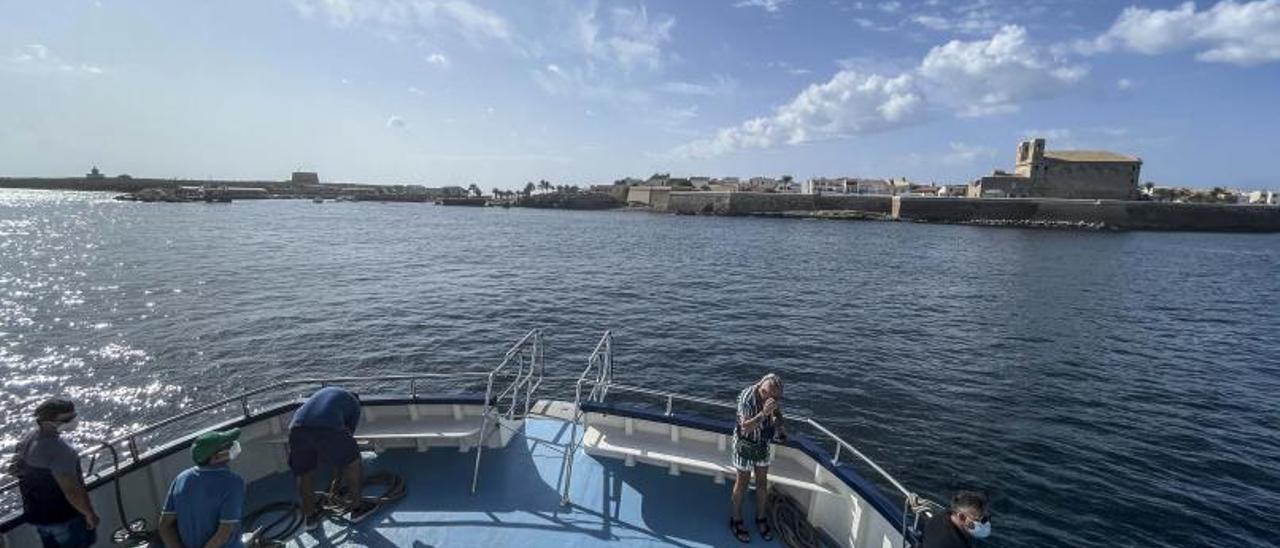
(772, 377)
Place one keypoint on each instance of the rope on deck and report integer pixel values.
(790, 526)
(275, 533)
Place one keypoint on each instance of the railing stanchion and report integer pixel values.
(484, 424)
(836, 459)
(668, 406)
(244, 405)
(413, 389)
(133, 448)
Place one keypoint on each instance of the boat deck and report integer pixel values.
(518, 500)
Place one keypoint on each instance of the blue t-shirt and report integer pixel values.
(331, 408)
(203, 498)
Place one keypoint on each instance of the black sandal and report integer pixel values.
(766, 532)
(743, 535)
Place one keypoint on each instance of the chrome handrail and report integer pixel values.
(840, 442)
(130, 439)
(912, 502)
(601, 361)
(531, 343)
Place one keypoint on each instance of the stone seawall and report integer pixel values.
(1116, 214)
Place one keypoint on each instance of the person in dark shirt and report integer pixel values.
(323, 432)
(967, 520)
(54, 499)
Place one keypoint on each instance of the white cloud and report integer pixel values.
(396, 122)
(993, 76)
(475, 20)
(438, 59)
(972, 78)
(718, 86)
(933, 22)
(1053, 134)
(38, 58)
(973, 21)
(771, 6)
(467, 19)
(629, 38)
(850, 103)
(788, 67)
(417, 91)
(583, 82)
(962, 153)
(1124, 84)
(1237, 33)
(890, 7)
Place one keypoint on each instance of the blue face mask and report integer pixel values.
(981, 529)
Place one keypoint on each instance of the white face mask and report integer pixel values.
(69, 425)
(980, 529)
(234, 451)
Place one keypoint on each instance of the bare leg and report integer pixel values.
(307, 492)
(762, 491)
(353, 477)
(740, 489)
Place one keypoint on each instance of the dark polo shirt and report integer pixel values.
(939, 532)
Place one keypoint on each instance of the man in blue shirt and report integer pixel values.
(323, 432)
(205, 501)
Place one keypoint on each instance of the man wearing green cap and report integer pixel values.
(205, 501)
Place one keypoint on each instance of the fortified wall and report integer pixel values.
(1118, 214)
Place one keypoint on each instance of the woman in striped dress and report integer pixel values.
(759, 423)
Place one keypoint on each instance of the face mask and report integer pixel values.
(69, 425)
(234, 451)
(980, 529)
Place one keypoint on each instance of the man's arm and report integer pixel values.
(169, 531)
(78, 496)
(747, 424)
(221, 536)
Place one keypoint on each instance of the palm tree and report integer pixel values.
(497, 192)
(544, 185)
(474, 189)
(528, 189)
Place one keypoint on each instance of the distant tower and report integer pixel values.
(1030, 159)
(93, 173)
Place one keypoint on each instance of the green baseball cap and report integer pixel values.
(209, 443)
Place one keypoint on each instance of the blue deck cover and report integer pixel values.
(518, 501)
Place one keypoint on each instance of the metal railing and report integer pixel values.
(599, 372)
(529, 374)
(602, 383)
(526, 357)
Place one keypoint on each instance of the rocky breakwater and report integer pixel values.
(571, 200)
(1022, 212)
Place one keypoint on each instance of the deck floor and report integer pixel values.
(518, 501)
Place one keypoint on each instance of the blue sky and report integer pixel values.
(459, 91)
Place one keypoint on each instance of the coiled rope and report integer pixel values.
(790, 526)
(331, 504)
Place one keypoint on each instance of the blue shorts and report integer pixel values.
(309, 447)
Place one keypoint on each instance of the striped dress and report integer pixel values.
(749, 405)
